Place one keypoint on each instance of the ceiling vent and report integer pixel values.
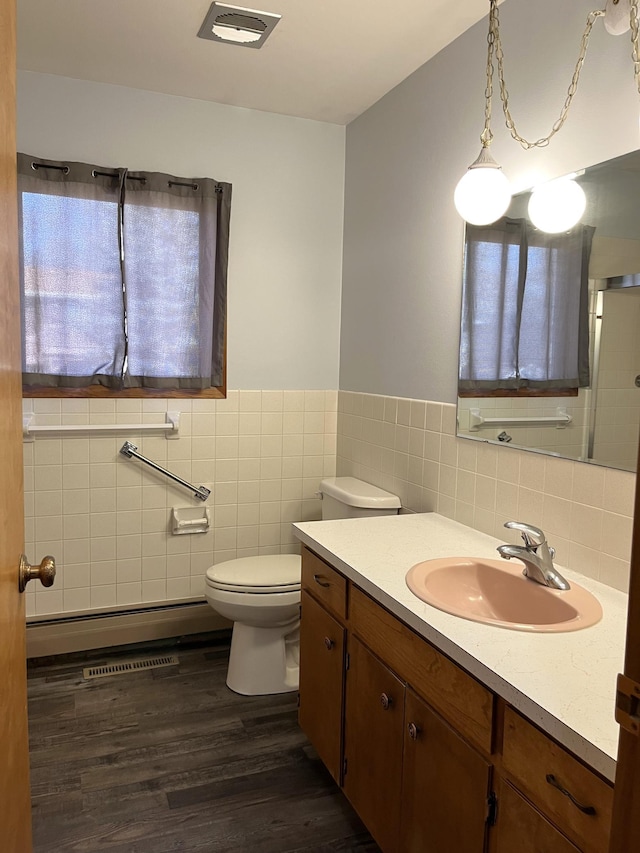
(235, 25)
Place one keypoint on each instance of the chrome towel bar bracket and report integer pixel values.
(130, 451)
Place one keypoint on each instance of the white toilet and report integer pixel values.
(261, 596)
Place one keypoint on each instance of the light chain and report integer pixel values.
(494, 30)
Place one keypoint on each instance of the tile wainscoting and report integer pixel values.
(409, 447)
(106, 518)
(263, 453)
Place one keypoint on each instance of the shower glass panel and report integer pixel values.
(615, 420)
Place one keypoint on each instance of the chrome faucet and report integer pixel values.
(536, 555)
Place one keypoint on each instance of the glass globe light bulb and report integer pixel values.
(483, 193)
(557, 206)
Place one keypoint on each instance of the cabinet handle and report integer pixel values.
(414, 731)
(320, 582)
(386, 701)
(551, 779)
(328, 643)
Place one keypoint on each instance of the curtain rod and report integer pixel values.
(96, 173)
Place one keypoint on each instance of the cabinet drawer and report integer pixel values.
(523, 828)
(324, 583)
(541, 767)
(462, 700)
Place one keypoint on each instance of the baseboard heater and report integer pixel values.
(80, 632)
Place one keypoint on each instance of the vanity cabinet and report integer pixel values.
(416, 783)
(428, 756)
(322, 645)
(435, 785)
(412, 779)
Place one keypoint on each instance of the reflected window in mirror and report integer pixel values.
(525, 311)
(602, 423)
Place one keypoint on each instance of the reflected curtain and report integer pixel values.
(524, 308)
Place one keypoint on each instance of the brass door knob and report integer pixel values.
(45, 572)
(329, 644)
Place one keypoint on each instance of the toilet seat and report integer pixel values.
(258, 575)
(261, 597)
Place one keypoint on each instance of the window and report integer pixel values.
(524, 310)
(124, 279)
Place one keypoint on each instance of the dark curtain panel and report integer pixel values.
(175, 261)
(524, 308)
(132, 267)
(72, 307)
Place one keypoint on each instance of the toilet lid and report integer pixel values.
(266, 573)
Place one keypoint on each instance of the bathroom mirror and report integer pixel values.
(601, 423)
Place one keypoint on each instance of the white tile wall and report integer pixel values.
(106, 517)
(409, 447)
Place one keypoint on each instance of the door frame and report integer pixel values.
(625, 828)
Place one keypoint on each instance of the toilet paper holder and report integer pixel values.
(190, 519)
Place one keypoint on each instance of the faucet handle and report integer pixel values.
(533, 536)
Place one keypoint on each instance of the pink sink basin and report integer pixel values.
(497, 593)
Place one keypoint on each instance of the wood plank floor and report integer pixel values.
(172, 760)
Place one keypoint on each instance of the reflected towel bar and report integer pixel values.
(560, 419)
(130, 450)
(170, 427)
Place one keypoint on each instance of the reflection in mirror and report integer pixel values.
(590, 413)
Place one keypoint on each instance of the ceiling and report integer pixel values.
(327, 60)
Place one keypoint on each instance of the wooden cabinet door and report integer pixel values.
(446, 785)
(321, 682)
(521, 827)
(373, 744)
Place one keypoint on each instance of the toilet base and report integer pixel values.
(264, 660)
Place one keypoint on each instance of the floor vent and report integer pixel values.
(129, 666)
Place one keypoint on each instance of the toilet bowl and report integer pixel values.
(261, 596)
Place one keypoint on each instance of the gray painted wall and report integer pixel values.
(285, 256)
(403, 239)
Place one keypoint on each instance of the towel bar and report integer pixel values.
(170, 427)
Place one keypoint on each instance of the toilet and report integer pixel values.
(261, 596)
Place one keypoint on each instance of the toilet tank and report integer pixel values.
(348, 497)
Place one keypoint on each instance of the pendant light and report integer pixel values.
(558, 205)
(482, 195)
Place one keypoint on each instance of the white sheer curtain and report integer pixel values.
(524, 308)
